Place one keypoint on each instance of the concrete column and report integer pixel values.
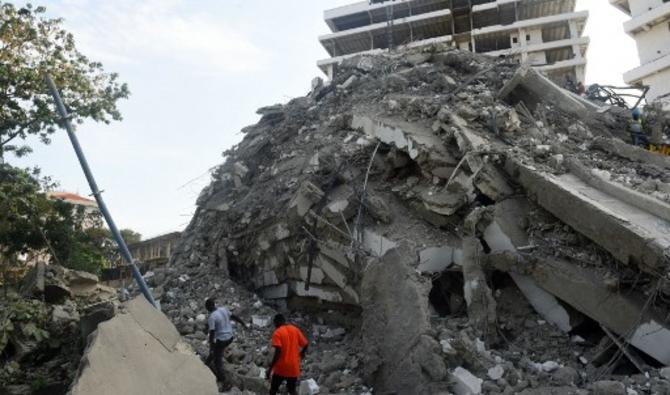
(523, 44)
(574, 34)
(478, 296)
(580, 73)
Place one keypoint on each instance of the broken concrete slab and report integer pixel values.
(509, 215)
(492, 183)
(532, 87)
(408, 137)
(331, 271)
(140, 352)
(624, 314)
(305, 198)
(631, 235)
(317, 275)
(443, 202)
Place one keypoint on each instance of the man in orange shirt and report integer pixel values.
(290, 346)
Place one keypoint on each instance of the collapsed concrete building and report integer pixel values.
(544, 33)
(473, 228)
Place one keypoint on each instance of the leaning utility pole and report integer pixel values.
(125, 252)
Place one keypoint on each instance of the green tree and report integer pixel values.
(32, 45)
(130, 236)
(31, 222)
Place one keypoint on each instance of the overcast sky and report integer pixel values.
(197, 71)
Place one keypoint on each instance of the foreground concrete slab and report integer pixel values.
(140, 352)
(632, 235)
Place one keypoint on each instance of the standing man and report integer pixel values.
(290, 346)
(636, 128)
(220, 336)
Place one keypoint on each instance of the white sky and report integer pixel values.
(197, 72)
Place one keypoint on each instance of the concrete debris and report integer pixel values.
(44, 329)
(138, 352)
(308, 387)
(465, 383)
(428, 211)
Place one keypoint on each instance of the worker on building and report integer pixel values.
(290, 347)
(636, 129)
(220, 336)
(569, 84)
(580, 89)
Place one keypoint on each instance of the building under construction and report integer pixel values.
(544, 33)
(649, 27)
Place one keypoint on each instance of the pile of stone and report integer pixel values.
(470, 226)
(335, 357)
(44, 328)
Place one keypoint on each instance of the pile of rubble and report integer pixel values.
(438, 221)
(44, 327)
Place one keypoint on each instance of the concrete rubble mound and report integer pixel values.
(437, 221)
(44, 328)
(139, 351)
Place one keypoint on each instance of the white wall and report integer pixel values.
(653, 44)
(639, 7)
(659, 84)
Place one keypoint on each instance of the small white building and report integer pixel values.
(544, 33)
(650, 27)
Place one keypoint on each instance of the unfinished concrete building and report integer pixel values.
(650, 27)
(544, 33)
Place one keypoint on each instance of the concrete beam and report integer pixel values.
(581, 41)
(638, 74)
(363, 32)
(625, 315)
(528, 23)
(504, 235)
(323, 64)
(654, 16)
(631, 235)
(631, 152)
(634, 198)
(532, 87)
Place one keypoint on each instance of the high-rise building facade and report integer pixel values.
(544, 33)
(650, 27)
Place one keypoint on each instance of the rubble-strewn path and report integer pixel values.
(437, 221)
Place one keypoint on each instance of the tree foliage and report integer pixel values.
(130, 236)
(70, 235)
(32, 45)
